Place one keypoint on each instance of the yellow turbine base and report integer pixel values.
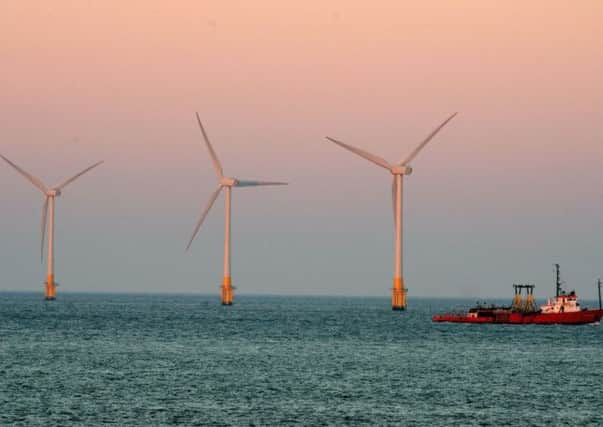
(398, 294)
(227, 291)
(51, 289)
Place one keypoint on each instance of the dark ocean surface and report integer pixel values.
(161, 360)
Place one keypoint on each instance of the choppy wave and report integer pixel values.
(161, 360)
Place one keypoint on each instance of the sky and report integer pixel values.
(509, 187)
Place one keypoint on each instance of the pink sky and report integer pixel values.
(121, 81)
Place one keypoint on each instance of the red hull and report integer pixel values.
(501, 316)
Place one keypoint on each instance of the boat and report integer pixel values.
(563, 309)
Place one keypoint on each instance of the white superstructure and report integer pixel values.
(564, 303)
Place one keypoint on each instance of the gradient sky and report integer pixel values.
(511, 186)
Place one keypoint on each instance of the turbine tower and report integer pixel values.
(227, 184)
(398, 171)
(48, 217)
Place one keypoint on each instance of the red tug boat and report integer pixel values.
(563, 309)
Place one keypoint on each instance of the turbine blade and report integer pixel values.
(212, 200)
(73, 178)
(246, 183)
(35, 181)
(44, 216)
(425, 141)
(365, 154)
(212, 153)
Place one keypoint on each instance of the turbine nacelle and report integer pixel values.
(228, 182)
(55, 192)
(401, 170)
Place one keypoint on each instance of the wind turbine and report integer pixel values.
(398, 170)
(48, 217)
(227, 184)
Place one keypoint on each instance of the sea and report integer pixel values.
(159, 360)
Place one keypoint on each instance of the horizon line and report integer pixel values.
(183, 293)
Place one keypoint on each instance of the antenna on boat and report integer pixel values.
(558, 283)
(599, 284)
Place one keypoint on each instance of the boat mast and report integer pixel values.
(558, 290)
(599, 283)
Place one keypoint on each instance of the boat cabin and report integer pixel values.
(563, 303)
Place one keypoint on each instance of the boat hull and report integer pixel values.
(572, 318)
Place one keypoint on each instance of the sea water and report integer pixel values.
(184, 359)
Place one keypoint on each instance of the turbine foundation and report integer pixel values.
(227, 291)
(398, 295)
(51, 289)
